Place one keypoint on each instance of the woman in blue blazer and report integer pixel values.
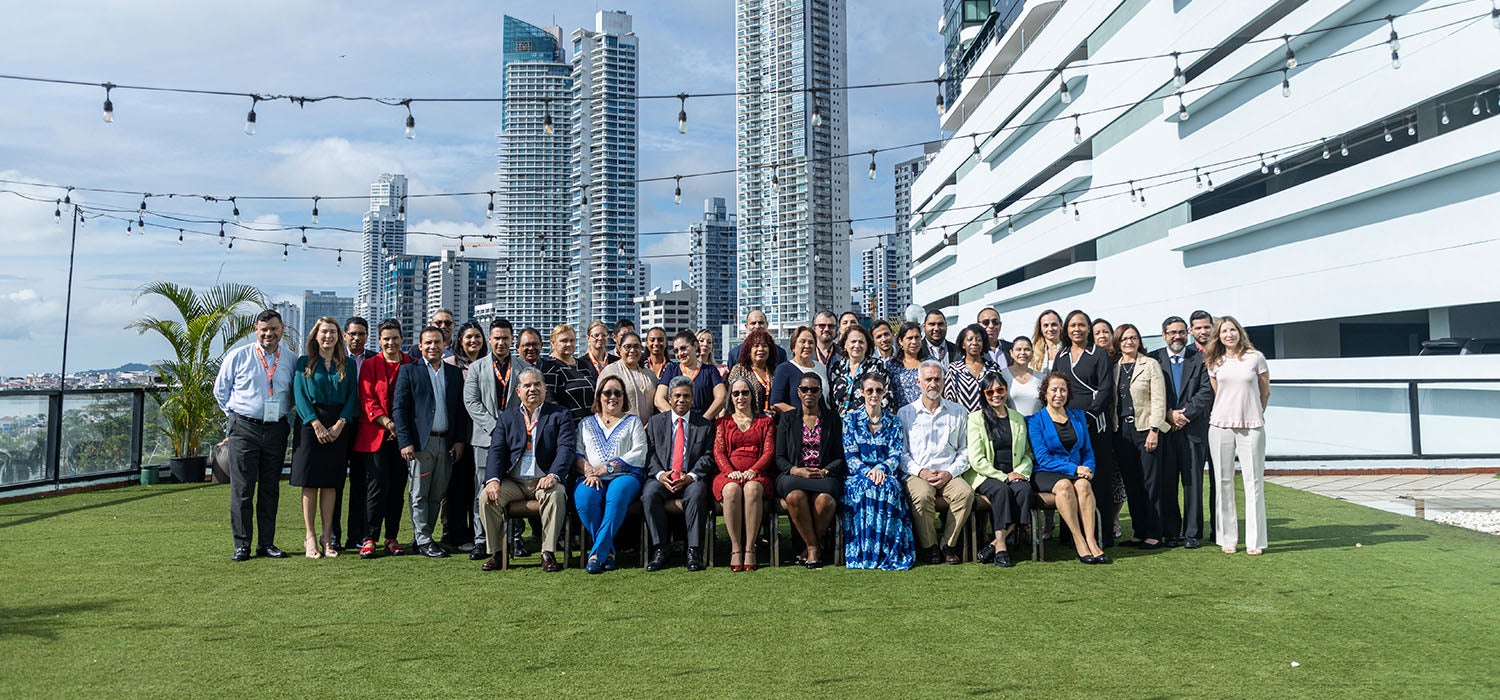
(1065, 465)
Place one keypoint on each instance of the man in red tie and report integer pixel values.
(678, 465)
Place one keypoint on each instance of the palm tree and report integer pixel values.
(189, 410)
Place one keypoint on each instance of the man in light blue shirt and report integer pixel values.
(254, 389)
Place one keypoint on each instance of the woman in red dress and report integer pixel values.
(744, 448)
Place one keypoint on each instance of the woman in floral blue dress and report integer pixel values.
(877, 526)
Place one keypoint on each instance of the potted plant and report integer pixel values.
(189, 413)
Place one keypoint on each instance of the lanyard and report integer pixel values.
(502, 380)
(530, 423)
(270, 370)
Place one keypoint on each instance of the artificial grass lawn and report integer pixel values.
(130, 592)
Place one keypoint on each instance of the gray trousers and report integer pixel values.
(429, 474)
(481, 458)
(257, 452)
(695, 500)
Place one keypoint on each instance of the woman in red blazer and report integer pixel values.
(375, 440)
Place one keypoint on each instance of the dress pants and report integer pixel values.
(481, 458)
(694, 497)
(1104, 479)
(257, 452)
(960, 497)
(1182, 463)
(385, 491)
(1010, 501)
(1249, 444)
(601, 510)
(429, 481)
(1141, 472)
(357, 491)
(459, 515)
(554, 507)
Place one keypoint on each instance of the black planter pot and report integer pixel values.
(188, 470)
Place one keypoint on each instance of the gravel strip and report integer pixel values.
(1481, 520)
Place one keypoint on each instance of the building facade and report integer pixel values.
(792, 195)
(711, 270)
(603, 274)
(674, 309)
(291, 319)
(534, 192)
(886, 268)
(457, 284)
(967, 27)
(316, 305)
(1341, 208)
(384, 235)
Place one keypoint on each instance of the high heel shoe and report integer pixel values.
(749, 560)
(736, 568)
(329, 550)
(311, 545)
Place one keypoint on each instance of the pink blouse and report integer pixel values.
(1237, 403)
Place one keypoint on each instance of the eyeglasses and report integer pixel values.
(740, 392)
(823, 325)
(874, 390)
(630, 348)
(989, 322)
(612, 393)
(442, 323)
(808, 389)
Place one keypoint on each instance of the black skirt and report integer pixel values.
(1044, 482)
(786, 483)
(317, 465)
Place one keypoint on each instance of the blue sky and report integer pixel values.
(185, 143)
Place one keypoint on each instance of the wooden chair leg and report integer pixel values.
(711, 536)
(504, 544)
(1038, 545)
(838, 540)
(775, 526)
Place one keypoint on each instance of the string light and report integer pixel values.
(1444, 119)
(941, 108)
(1411, 127)
(109, 106)
(1395, 43)
(400, 209)
(1275, 165)
(547, 117)
(340, 261)
(1326, 154)
(1343, 148)
(385, 251)
(817, 111)
(1143, 196)
(975, 139)
(1132, 190)
(250, 118)
(231, 244)
(1197, 178)
(995, 211)
(143, 204)
(179, 236)
(1208, 180)
(1063, 94)
(127, 229)
(1077, 131)
(221, 233)
(315, 209)
(283, 252)
(1264, 169)
(1286, 83)
(872, 164)
(1475, 110)
(1076, 215)
(411, 120)
(57, 213)
(775, 181)
(1178, 78)
(1387, 134)
(140, 225)
(236, 206)
(1182, 113)
(304, 237)
(677, 194)
(1009, 228)
(68, 196)
(681, 114)
(489, 211)
(1291, 57)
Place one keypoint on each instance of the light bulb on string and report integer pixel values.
(1063, 94)
(231, 244)
(401, 207)
(57, 213)
(1291, 57)
(941, 107)
(1395, 41)
(1077, 131)
(775, 181)
(1275, 165)
(547, 117)
(1208, 181)
(283, 252)
(143, 204)
(1264, 169)
(460, 245)
(1286, 83)
(127, 229)
(1009, 227)
(68, 196)
(140, 225)
(1475, 110)
(1197, 178)
(179, 236)
(1343, 148)
(1076, 215)
(1182, 113)
(489, 211)
(1444, 118)
(681, 114)
(1178, 77)
(385, 250)
(109, 106)
(1326, 154)
(250, 118)
(1132, 190)
(340, 261)
(1143, 196)
(221, 232)
(304, 237)
(677, 194)
(315, 209)
(995, 211)
(817, 111)
(975, 139)
(872, 164)
(1411, 127)
(236, 207)
(1387, 134)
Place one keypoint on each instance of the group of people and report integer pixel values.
(898, 432)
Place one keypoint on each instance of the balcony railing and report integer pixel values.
(52, 438)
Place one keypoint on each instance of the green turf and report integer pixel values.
(130, 592)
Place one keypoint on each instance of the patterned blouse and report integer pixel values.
(623, 447)
(963, 388)
(864, 450)
(760, 385)
(903, 383)
(844, 393)
(812, 441)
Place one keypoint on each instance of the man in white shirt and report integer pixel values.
(254, 389)
(531, 452)
(936, 453)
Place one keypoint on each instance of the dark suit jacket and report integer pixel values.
(951, 348)
(700, 446)
(554, 438)
(1196, 394)
(830, 450)
(413, 407)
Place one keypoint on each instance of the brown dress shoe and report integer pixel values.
(549, 563)
(491, 564)
(950, 556)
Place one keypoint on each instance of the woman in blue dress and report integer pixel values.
(877, 525)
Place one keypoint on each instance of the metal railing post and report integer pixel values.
(137, 427)
(1416, 418)
(53, 469)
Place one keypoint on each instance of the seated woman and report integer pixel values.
(810, 457)
(877, 518)
(1000, 464)
(744, 444)
(1065, 465)
(611, 459)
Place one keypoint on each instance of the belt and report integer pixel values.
(1128, 419)
(258, 421)
(438, 434)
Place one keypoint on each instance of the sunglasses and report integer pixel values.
(823, 325)
(874, 390)
(994, 392)
(442, 323)
(740, 392)
(612, 394)
(808, 389)
(989, 322)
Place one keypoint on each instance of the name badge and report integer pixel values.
(272, 412)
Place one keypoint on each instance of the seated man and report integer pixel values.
(531, 451)
(678, 465)
(936, 452)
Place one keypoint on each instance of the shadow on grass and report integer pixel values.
(44, 621)
(102, 504)
(1292, 539)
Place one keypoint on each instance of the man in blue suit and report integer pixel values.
(1189, 399)
(531, 452)
(432, 428)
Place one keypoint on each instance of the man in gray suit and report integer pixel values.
(678, 465)
(491, 387)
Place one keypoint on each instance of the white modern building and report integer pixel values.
(384, 235)
(673, 309)
(534, 193)
(603, 274)
(457, 284)
(1337, 205)
(291, 320)
(792, 196)
(711, 269)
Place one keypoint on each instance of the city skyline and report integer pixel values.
(184, 143)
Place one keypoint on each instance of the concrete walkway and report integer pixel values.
(1468, 500)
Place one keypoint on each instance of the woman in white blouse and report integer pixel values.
(1236, 428)
(611, 462)
(1020, 382)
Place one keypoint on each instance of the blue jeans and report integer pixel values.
(602, 510)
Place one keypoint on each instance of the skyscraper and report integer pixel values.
(712, 266)
(792, 197)
(316, 305)
(291, 319)
(534, 195)
(384, 230)
(670, 308)
(457, 284)
(603, 281)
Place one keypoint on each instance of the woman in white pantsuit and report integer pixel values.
(1236, 427)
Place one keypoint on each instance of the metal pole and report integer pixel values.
(68, 303)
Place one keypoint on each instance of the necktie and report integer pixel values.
(1177, 377)
(679, 450)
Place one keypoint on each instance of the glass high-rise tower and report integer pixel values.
(384, 236)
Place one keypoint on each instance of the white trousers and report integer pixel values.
(1249, 444)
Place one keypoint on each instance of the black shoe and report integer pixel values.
(1148, 545)
(433, 550)
(658, 560)
(987, 554)
(695, 559)
(1191, 543)
(1002, 560)
(1086, 558)
(1172, 542)
(934, 555)
(240, 554)
(270, 551)
(1132, 543)
(352, 544)
(518, 546)
(1101, 559)
(477, 553)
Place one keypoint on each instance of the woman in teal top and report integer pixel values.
(326, 396)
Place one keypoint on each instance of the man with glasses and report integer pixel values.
(530, 455)
(936, 452)
(989, 320)
(1189, 399)
(491, 387)
(442, 319)
(825, 330)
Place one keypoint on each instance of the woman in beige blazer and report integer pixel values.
(1141, 410)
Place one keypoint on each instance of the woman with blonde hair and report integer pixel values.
(1046, 341)
(326, 397)
(1237, 428)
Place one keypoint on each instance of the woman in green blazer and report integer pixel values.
(1000, 464)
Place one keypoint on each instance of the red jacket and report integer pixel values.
(377, 391)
